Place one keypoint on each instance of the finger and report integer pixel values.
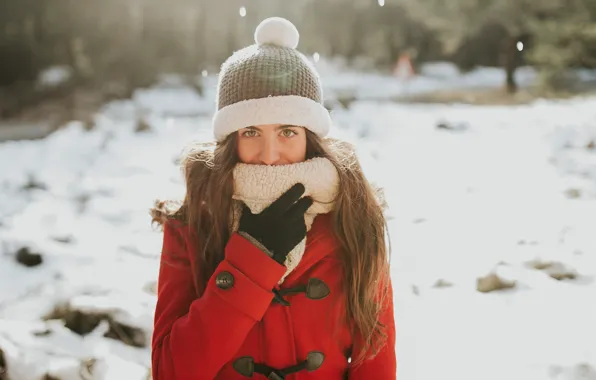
(298, 233)
(285, 201)
(295, 237)
(300, 207)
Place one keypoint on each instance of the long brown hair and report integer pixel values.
(359, 225)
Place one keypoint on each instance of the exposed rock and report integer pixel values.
(88, 123)
(28, 258)
(44, 332)
(151, 287)
(65, 239)
(573, 193)
(87, 368)
(32, 184)
(142, 126)
(555, 269)
(111, 367)
(442, 284)
(3, 366)
(75, 320)
(451, 126)
(133, 336)
(493, 282)
(582, 371)
(561, 273)
(591, 145)
(539, 265)
(83, 322)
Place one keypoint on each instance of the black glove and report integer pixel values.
(280, 227)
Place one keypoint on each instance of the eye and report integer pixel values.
(249, 133)
(288, 133)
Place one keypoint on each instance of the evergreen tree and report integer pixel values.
(564, 36)
(457, 20)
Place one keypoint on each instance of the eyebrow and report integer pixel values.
(285, 126)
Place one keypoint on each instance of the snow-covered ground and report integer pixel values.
(439, 76)
(474, 191)
(342, 80)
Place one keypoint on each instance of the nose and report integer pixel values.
(269, 154)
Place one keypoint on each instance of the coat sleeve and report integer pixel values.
(193, 338)
(382, 366)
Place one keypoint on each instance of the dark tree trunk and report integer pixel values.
(510, 63)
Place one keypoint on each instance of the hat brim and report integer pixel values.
(287, 109)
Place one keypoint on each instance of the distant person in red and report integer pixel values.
(404, 69)
(275, 265)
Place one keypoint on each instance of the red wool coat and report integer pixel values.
(235, 329)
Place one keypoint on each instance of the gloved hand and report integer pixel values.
(279, 227)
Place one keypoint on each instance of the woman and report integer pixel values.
(274, 265)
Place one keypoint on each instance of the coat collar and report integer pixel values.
(320, 243)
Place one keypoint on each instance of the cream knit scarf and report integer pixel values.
(259, 185)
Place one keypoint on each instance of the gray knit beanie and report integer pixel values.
(270, 82)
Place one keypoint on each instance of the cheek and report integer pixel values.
(295, 149)
(247, 150)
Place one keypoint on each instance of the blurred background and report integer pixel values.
(477, 117)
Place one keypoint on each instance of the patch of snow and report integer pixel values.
(33, 351)
(341, 81)
(174, 101)
(444, 70)
(54, 76)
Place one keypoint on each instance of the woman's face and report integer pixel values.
(272, 144)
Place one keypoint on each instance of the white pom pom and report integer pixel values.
(277, 31)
